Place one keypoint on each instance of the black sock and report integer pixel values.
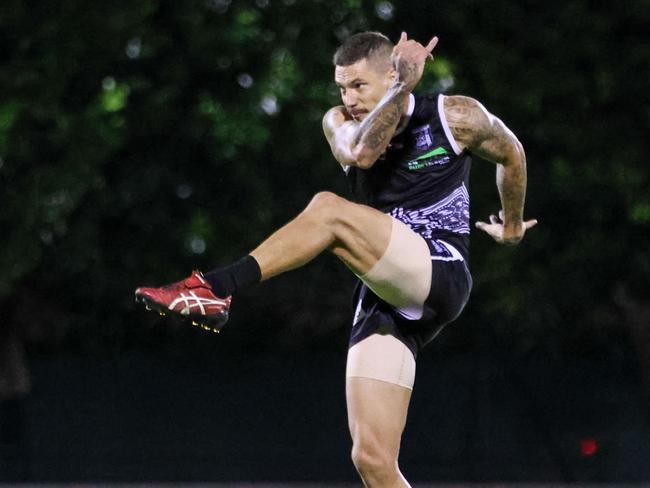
(228, 280)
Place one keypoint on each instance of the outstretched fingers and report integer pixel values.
(484, 226)
(495, 229)
(530, 223)
(429, 47)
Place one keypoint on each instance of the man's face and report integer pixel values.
(362, 86)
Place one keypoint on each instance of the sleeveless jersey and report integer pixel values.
(422, 178)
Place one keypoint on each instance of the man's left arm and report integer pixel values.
(478, 131)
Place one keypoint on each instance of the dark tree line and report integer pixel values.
(141, 139)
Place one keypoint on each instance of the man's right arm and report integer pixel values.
(361, 144)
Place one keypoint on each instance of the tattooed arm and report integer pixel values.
(483, 134)
(361, 144)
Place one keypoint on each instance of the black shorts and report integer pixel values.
(451, 283)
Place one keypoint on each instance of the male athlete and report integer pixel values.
(408, 159)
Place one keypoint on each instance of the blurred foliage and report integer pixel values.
(141, 139)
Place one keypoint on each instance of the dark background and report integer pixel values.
(139, 140)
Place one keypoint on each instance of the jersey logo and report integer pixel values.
(437, 157)
(423, 137)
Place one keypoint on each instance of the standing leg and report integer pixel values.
(377, 416)
(362, 237)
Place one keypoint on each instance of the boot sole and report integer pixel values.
(210, 323)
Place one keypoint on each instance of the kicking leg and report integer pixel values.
(357, 234)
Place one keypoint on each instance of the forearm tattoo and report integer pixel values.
(376, 130)
(511, 182)
(483, 134)
(408, 73)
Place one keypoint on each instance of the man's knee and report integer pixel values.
(328, 207)
(326, 201)
(374, 462)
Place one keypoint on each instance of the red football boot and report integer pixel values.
(191, 298)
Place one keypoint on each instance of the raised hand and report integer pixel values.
(505, 234)
(409, 57)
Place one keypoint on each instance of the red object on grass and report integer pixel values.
(588, 447)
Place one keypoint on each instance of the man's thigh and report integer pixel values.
(376, 414)
(363, 235)
(384, 357)
(402, 276)
(384, 253)
(379, 378)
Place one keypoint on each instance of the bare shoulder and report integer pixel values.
(467, 118)
(479, 131)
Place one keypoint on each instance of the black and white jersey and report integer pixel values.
(422, 178)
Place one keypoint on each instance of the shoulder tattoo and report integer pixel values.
(476, 129)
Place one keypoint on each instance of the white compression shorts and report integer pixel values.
(402, 278)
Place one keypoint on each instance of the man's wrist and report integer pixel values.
(400, 87)
(513, 227)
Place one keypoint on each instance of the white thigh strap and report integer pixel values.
(402, 276)
(382, 357)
